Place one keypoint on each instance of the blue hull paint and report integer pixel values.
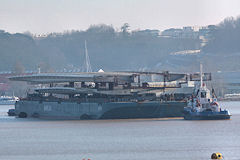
(109, 110)
(207, 115)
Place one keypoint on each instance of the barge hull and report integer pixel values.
(109, 110)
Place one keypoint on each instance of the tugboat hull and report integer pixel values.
(207, 115)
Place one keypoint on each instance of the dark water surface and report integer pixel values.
(134, 139)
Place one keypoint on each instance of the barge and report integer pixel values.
(105, 95)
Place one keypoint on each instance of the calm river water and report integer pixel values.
(134, 139)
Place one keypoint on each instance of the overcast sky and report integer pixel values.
(44, 16)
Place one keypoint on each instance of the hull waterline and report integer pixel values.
(110, 110)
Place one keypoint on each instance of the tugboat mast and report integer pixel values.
(201, 76)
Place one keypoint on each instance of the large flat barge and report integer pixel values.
(112, 95)
(109, 110)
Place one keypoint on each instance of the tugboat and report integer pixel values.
(203, 105)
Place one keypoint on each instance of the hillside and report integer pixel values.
(121, 50)
(107, 49)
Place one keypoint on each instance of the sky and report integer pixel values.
(46, 16)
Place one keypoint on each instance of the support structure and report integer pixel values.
(87, 65)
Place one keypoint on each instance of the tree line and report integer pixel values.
(109, 48)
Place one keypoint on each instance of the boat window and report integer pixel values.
(203, 94)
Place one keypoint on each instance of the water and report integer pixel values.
(134, 139)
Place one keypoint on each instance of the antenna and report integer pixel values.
(87, 65)
(201, 76)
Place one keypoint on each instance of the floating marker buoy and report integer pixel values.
(216, 156)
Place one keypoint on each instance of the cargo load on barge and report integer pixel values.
(105, 95)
